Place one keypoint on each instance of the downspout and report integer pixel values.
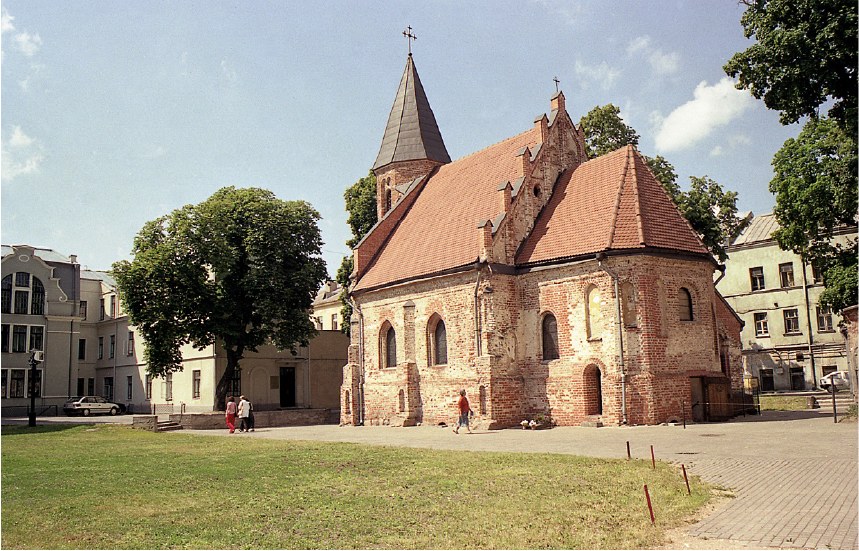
(600, 257)
(808, 319)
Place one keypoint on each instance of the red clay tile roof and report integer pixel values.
(611, 202)
(440, 230)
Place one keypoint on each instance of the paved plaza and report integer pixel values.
(793, 474)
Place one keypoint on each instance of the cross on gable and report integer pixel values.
(556, 83)
(410, 37)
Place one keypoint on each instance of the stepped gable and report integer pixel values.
(412, 133)
(612, 202)
(439, 231)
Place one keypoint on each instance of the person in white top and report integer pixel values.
(245, 413)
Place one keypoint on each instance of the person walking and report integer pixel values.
(464, 411)
(231, 414)
(244, 414)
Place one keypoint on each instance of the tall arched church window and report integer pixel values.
(387, 199)
(7, 295)
(440, 344)
(390, 348)
(550, 338)
(593, 312)
(684, 298)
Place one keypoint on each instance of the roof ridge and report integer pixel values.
(492, 145)
(616, 211)
(637, 201)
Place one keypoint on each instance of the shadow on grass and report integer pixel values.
(15, 430)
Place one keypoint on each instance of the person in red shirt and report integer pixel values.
(464, 410)
(231, 414)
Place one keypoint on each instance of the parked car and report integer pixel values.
(85, 405)
(839, 379)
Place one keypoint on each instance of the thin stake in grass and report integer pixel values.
(652, 457)
(649, 505)
(686, 478)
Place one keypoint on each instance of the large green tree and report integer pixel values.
(710, 211)
(805, 55)
(815, 185)
(361, 206)
(240, 269)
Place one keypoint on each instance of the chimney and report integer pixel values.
(485, 237)
(73, 258)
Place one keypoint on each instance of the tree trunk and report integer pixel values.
(233, 357)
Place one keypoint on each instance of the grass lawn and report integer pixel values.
(109, 486)
(774, 402)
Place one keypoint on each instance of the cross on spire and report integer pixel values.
(556, 83)
(411, 37)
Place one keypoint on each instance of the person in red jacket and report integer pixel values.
(464, 410)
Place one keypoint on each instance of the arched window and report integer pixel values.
(550, 337)
(593, 312)
(387, 200)
(439, 344)
(7, 295)
(684, 306)
(390, 348)
(630, 317)
(37, 303)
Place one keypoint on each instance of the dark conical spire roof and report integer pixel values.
(412, 133)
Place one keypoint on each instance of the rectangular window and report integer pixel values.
(82, 309)
(19, 338)
(761, 327)
(37, 337)
(757, 277)
(81, 349)
(168, 387)
(319, 323)
(113, 306)
(195, 389)
(6, 305)
(235, 387)
(90, 386)
(22, 300)
(816, 273)
(4, 373)
(786, 273)
(100, 348)
(37, 384)
(101, 313)
(22, 279)
(16, 384)
(6, 335)
(334, 321)
(129, 387)
(108, 388)
(37, 307)
(149, 387)
(112, 346)
(791, 321)
(824, 318)
(129, 349)
(80, 386)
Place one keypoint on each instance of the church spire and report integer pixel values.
(412, 133)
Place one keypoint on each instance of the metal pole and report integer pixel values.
(834, 413)
(32, 413)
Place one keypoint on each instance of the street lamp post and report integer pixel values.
(35, 360)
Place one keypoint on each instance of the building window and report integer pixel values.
(19, 338)
(627, 292)
(235, 386)
(80, 386)
(108, 388)
(824, 318)
(22, 279)
(37, 306)
(757, 277)
(81, 349)
(37, 337)
(593, 312)
(90, 386)
(761, 327)
(129, 387)
(100, 348)
(22, 299)
(319, 323)
(390, 348)
(16, 383)
(82, 309)
(129, 347)
(6, 335)
(786, 274)
(387, 200)
(791, 321)
(101, 310)
(37, 384)
(148, 387)
(334, 322)
(816, 273)
(113, 306)
(168, 387)
(684, 306)
(4, 373)
(6, 306)
(195, 388)
(550, 338)
(112, 349)
(439, 343)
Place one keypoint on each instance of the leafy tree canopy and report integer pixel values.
(361, 205)
(805, 55)
(240, 268)
(815, 185)
(605, 131)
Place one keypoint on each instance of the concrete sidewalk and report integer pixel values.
(794, 474)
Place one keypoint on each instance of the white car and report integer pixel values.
(86, 405)
(839, 379)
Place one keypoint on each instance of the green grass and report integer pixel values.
(115, 487)
(783, 403)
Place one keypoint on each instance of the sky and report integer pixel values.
(116, 113)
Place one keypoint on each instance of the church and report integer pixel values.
(534, 278)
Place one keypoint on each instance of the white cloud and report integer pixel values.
(6, 22)
(662, 63)
(28, 43)
(228, 72)
(717, 151)
(712, 107)
(604, 75)
(568, 10)
(21, 154)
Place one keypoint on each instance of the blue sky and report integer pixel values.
(115, 113)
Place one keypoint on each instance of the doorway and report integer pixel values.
(767, 381)
(699, 414)
(797, 378)
(287, 387)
